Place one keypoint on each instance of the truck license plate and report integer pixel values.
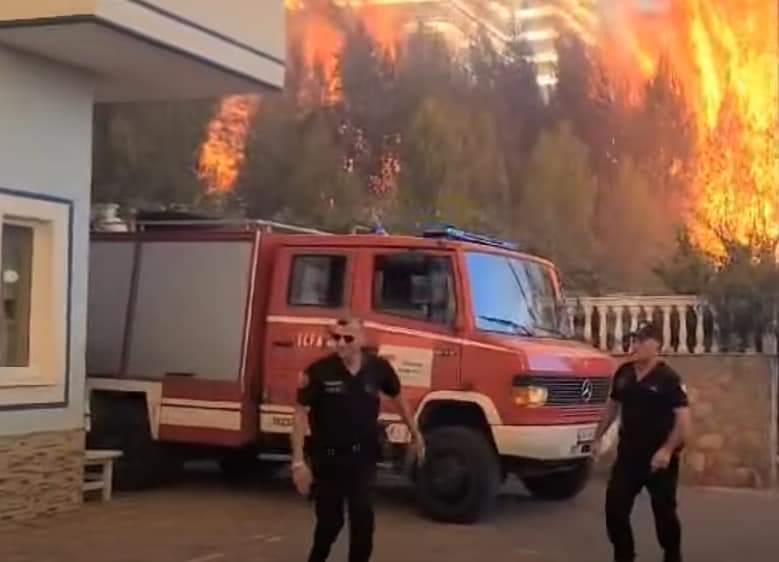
(586, 435)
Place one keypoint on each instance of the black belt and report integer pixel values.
(340, 450)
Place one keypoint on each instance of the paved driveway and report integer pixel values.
(202, 520)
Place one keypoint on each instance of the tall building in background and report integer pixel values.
(457, 20)
(538, 23)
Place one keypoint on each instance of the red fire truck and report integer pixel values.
(198, 333)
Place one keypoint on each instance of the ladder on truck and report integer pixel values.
(240, 224)
(243, 224)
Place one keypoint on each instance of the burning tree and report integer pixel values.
(368, 129)
(724, 56)
(222, 154)
(675, 114)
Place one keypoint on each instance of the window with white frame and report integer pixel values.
(16, 259)
(33, 290)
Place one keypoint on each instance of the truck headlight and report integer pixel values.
(530, 396)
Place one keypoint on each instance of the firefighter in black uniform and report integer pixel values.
(338, 399)
(655, 419)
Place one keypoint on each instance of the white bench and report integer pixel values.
(102, 478)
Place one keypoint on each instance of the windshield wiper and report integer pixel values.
(556, 332)
(518, 328)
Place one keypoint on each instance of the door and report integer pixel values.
(187, 324)
(311, 289)
(411, 312)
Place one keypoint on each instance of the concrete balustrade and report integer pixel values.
(689, 324)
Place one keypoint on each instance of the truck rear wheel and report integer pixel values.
(559, 485)
(241, 466)
(123, 424)
(458, 481)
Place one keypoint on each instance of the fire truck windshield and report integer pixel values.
(515, 296)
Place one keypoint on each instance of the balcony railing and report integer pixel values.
(689, 325)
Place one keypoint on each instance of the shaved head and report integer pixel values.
(348, 337)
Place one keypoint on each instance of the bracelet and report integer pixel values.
(298, 464)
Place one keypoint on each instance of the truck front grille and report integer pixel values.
(569, 391)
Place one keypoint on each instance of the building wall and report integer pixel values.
(42, 473)
(257, 24)
(733, 400)
(244, 36)
(45, 160)
(156, 49)
(734, 407)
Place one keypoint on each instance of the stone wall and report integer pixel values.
(733, 401)
(40, 473)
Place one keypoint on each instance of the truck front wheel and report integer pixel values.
(559, 485)
(458, 481)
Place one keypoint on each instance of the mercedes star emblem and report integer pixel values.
(587, 390)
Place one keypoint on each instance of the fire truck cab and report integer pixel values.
(198, 335)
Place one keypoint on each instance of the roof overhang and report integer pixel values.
(143, 50)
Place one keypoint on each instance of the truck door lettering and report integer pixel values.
(414, 365)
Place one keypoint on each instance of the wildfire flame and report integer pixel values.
(319, 38)
(318, 28)
(724, 53)
(222, 154)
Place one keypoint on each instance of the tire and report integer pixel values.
(460, 478)
(244, 466)
(123, 424)
(239, 466)
(559, 485)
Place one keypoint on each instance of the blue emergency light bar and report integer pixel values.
(452, 233)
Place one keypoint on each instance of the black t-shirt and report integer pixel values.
(344, 408)
(647, 408)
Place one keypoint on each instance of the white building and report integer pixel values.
(57, 59)
(538, 23)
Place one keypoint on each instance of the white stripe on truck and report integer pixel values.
(229, 420)
(312, 321)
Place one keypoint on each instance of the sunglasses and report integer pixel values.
(345, 337)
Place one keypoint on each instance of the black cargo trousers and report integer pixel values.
(628, 478)
(343, 478)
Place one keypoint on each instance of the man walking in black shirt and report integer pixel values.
(655, 420)
(338, 399)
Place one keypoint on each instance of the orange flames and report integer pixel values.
(318, 37)
(222, 154)
(724, 53)
(318, 27)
